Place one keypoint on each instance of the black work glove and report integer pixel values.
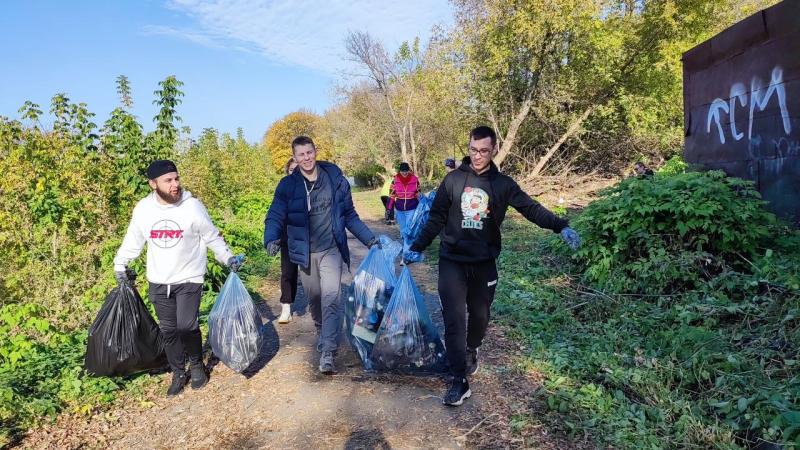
(374, 242)
(274, 247)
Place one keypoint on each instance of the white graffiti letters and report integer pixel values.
(759, 98)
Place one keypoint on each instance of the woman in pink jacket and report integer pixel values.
(404, 198)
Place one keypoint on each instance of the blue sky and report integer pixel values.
(245, 63)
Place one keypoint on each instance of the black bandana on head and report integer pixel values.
(160, 167)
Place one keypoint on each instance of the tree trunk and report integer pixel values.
(413, 145)
(574, 127)
(403, 144)
(513, 128)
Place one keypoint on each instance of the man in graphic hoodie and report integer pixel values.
(315, 207)
(468, 210)
(178, 231)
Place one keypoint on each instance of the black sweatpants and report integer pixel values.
(467, 291)
(178, 307)
(288, 276)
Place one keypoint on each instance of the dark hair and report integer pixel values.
(482, 132)
(639, 163)
(404, 167)
(288, 163)
(302, 140)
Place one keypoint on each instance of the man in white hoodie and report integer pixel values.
(178, 231)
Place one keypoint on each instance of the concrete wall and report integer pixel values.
(742, 104)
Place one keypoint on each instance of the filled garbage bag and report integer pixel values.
(391, 249)
(407, 341)
(124, 338)
(369, 295)
(419, 218)
(234, 325)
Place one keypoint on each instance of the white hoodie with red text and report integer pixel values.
(177, 237)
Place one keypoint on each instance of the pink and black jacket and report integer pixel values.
(403, 193)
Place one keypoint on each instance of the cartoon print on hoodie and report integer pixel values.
(474, 207)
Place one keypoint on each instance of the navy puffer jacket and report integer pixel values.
(289, 212)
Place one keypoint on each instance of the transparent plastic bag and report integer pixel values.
(407, 340)
(234, 326)
(124, 338)
(391, 249)
(419, 217)
(369, 295)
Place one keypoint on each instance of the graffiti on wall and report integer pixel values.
(759, 99)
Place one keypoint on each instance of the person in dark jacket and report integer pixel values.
(315, 207)
(468, 210)
(288, 268)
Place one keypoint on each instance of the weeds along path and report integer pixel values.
(287, 404)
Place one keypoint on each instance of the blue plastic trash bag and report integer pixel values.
(407, 341)
(234, 326)
(419, 218)
(391, 249)
(413, 257)
(369, 295)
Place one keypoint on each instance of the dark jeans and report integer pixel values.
(467, 291)
(177, 307)
(288, 276)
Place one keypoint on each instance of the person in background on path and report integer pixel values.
(177, 230)
(404, 198)
(449, 165)
(642, 171)
(315, 208)
(288, 268)
(468, 211)
(389, 214)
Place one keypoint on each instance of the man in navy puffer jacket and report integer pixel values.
(315, 207)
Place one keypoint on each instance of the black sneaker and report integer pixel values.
(178, 382)
(472, 361)
(326, 363)
(458, 392)
(199, 376)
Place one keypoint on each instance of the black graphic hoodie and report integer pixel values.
(177, 238)
(469, 209)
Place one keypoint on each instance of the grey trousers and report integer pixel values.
(321, 283)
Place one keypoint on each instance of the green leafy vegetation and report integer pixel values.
(658, 337)
(74, 190)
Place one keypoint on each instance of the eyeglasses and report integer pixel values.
(482, 152)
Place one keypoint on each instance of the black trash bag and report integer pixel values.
(124, 338)
(234, 326)
(407, 340)
(368, 297)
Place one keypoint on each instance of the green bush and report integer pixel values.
(671, 233)
(712, 367)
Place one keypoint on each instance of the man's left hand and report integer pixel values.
(571, 237)
(235, 262)
(374, 242)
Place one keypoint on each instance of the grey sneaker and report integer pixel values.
(472, 361)
(326, 363)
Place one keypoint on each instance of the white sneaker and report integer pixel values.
(286, 313)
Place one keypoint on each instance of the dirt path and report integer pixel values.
(287, 404)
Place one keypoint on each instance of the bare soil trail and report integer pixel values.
(287, 404)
